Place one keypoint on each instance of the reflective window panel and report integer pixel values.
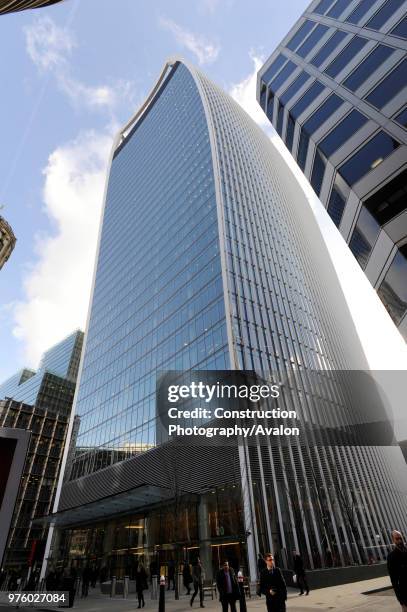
(364, 236)
(391, 85)
(368, 157)
(356, 44)
(367, 67)
(393, 290)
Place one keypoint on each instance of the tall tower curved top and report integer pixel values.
(211, 256)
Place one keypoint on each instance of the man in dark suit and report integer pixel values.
(397, 566)
(273, 586)
(228, 587)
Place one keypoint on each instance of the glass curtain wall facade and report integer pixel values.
(207, 262)
(46, 387)
(39, 402)
(335, 91)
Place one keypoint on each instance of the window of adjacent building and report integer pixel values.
(263, 94)
(322, 7)
(368, 157)
(312, 40)
(359, 12)
(283, 75)
(391, 85)
(342, 132)
(274, 68)
(290, 132)
(367, 67)
(364, 236)
(393, 290)
(307, 99)
(328, 48)
(384, 13)
(336, 203)
(318, 171)
(400, 29)
(270, 106)
(401, 118)
(280, 118)
(390, 200)
(346, 56)
(301, 33)
(338, 8)
(294, 87)
(325, 110)
(303, 149)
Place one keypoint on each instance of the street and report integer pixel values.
(347, 597)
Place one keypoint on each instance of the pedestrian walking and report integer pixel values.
(86, 578)
(261, 564)
(141, 584)
(273, 586)
(299, 571)
(228, 588)
(187, 577)
(397, 567)
(198, 574)
(171, 574)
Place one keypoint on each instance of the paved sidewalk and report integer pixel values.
(346, 597)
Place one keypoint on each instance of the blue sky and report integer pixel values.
(75, 72)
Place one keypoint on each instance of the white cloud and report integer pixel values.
(47, 44)
(204, 50)
(57, 287)
(50, 46)
(244, 93)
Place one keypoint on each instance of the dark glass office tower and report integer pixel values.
(335, 90)
(40, 403)
(210, 257)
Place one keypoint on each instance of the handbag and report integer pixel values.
(295, 578)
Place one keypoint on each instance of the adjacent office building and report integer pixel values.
(210, 258)
(335, 90)
(40, 403)
(7, 241)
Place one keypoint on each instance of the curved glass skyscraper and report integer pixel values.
(211, 258)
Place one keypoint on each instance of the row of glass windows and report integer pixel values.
(389, 87)
(393, 288)
(346, 56)
(376, 22)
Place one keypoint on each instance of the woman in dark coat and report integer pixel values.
(141, 584)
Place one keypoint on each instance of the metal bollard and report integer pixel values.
(126, 587)
(154, 587)
(161, 601)
(113, 587)
(242, 595)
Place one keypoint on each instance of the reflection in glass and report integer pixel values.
(364, 236)
(393, 290)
